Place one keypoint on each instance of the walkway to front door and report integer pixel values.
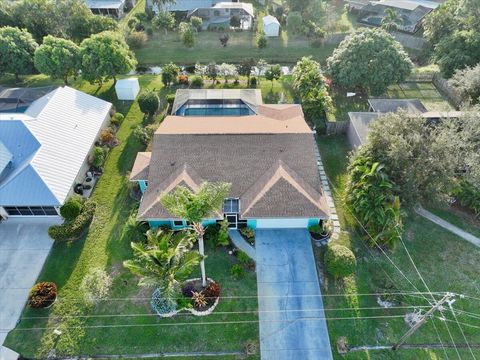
(292, 320)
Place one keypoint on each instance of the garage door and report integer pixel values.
(282, 223)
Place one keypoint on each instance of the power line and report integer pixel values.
(460, 327)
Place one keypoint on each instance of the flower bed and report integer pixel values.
(166, 310)
(42, 295)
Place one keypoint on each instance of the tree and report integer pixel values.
(200, 70)
(187, 34)
(467, 83)
(103, 56)
(6, 14)
(298, 5)
(457, 51)
(227, 71)
(148, 102)
(195, 207)
(245, 68)
(224, 40)
(294, 22)
(391, 21)
(164, 261)
(196, 22)
(273, 73)
(370, 59)
(39, 17)
(17, 49)
(169, 73)
(212, 71)
(57, 58)
(164, 20)
(261, 41)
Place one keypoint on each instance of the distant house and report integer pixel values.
(266, 152)
(359, 122)
(220, 15)
(411, 12)
(184, 6)
(44, 150)
(114, 8)
(271, 26)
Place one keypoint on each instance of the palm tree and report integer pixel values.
(391, 21)
(165, 260)
(195, 207)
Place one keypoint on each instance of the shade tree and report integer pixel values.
(17, 48)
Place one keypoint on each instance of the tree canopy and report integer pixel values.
(164, 20)
(104, 56)
(57, 58)
(17, 48)
(169, 73)
(370, 59)
(467, 83)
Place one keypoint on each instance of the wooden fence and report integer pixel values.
(336, 127)
(448, 91)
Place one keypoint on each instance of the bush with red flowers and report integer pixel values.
(42, 295)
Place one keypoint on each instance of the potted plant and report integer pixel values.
(42, 295)
(321, 232)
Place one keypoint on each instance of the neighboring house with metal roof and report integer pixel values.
(266, 152)
(183, 5)
(113, 8)
(412, 12)
(44, 150)
(220, 14)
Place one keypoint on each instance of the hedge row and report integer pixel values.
(71, 230)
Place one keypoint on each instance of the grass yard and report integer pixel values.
(446, 262)
(164, 48)
(464, 221)
(124, 324)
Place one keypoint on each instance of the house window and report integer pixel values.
(178, 223)
(231, 206)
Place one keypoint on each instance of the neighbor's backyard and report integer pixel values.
(446, 262)
(125, 324)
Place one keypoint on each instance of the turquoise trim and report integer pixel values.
(252, 223)
(205, 223)
(143, 186)
(313, 221)
(170, 223)
(158, 223)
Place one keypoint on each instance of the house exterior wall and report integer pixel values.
(352, 136)
(170, 223)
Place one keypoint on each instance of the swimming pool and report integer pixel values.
(214, 108)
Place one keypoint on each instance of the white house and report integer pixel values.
(44, 150)
(127, 89)
(271, 26)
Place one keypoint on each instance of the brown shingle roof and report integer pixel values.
(241, 160)
(140, 167)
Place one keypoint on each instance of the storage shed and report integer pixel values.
(271, 26)
(127, 89)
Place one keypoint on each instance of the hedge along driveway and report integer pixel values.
(69, 262)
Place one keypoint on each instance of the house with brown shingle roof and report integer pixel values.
(265, 151)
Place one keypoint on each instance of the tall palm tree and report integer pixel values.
(163, 261)
(391, 21)
(195, 207)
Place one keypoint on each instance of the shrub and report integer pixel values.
(170, 99)
(98, 157)
(211, 234)
(143, 134)
(117, 119)
(132, 22)
(184, 303)
(261, 41)
(222, 239)
(188, 289)
(182, 79)
(224, 40)
(340, 261)
(142, 16)
(237, 271)
(243, 257)
(140, 27)
(107, 136)
(148, 102)
(95, 285)
(249, 233)
(196, 22)
(71, 208)
(212, 291)
(136, 39)
(72, 230)
(197, 82)
(199, 300)
(42, 294)
(149, 31)
(468, 195)
(253, 82)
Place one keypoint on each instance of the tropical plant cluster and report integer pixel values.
(42, 294)
(75, 228)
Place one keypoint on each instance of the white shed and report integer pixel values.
(271, 26)
(127, 89)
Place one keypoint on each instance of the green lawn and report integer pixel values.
(167, 48)
(467, 223)
(104, 247)
(445, 261)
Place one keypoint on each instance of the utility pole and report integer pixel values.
(422, 320)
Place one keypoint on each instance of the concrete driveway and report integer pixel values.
(24, 247)
(292, 324)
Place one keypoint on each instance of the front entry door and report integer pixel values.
(232, 220)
